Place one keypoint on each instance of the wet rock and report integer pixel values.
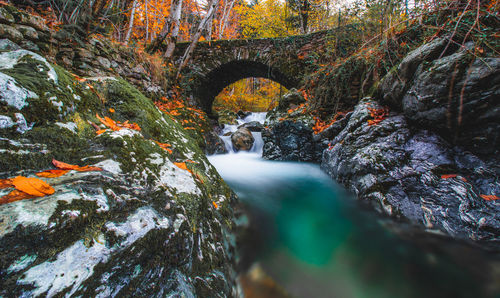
(214, 144)
(454, 96)
(288, 140)
(254, 126)
(469, 116)
(398, 169)
(242, 139)
(242, 114)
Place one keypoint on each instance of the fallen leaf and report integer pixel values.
(52, 173)
(15, 195)
(182, 165)
(447, 176)
(111, 110)
(63, 166)
(32, 186)
(164, 146)
(215, 205)
(489, 197)
(5, 183)
(66, 166)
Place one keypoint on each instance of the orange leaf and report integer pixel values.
(5, 183)
(66, 166)
(52, 173)
(63, 166)
(182, 165)
(215, 205)
(489, 197)
(15, 195)
(448, 176)
(32, 186)
(111, 110)
(108, 122)
(100, 131)
(88, 169)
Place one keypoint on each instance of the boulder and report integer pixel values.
(290, 100)
(289, 140)
(155, 218)
(242, 139)
(214, 144)
(455, 96)
(254, 126)
(242, 114)
(415, 175)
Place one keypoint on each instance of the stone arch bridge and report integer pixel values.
(286, 60)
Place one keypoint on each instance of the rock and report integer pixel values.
(104, 62)
(5, 16)
(398, 169)
(242, 114)
(468, 113)
(10, 32)
(29, 45)
(288, 140)
(469, 118)
(290, 100)
(84, 54)
(214, 144)
(395, 83)
(27, 32)
(8, 45)
(34, 21)
(242, 139)
(254, 126)
(143, 226)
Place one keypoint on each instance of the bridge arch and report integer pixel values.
(224, 75)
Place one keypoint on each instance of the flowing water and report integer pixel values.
(316, 240)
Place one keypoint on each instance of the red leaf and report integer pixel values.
(448, 176)
(489, 197)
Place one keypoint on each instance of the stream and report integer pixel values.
(316, 240)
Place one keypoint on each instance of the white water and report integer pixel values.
(257, 145)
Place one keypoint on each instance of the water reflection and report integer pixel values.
(316, 241)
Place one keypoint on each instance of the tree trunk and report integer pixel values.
(131, 22)
(147, 21)
(194, 40)
(225, 19)
(166, 28)
(175, 31)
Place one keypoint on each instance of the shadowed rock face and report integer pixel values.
(242, 139)
(399, 171)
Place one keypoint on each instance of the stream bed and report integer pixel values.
(316, 240)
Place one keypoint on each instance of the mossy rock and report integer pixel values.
(146, 223)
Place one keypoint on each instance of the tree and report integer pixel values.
(196, 36)
(264, 19)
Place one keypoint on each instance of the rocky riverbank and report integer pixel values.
(422, 149)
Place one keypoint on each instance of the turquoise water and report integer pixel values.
(317, 241)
